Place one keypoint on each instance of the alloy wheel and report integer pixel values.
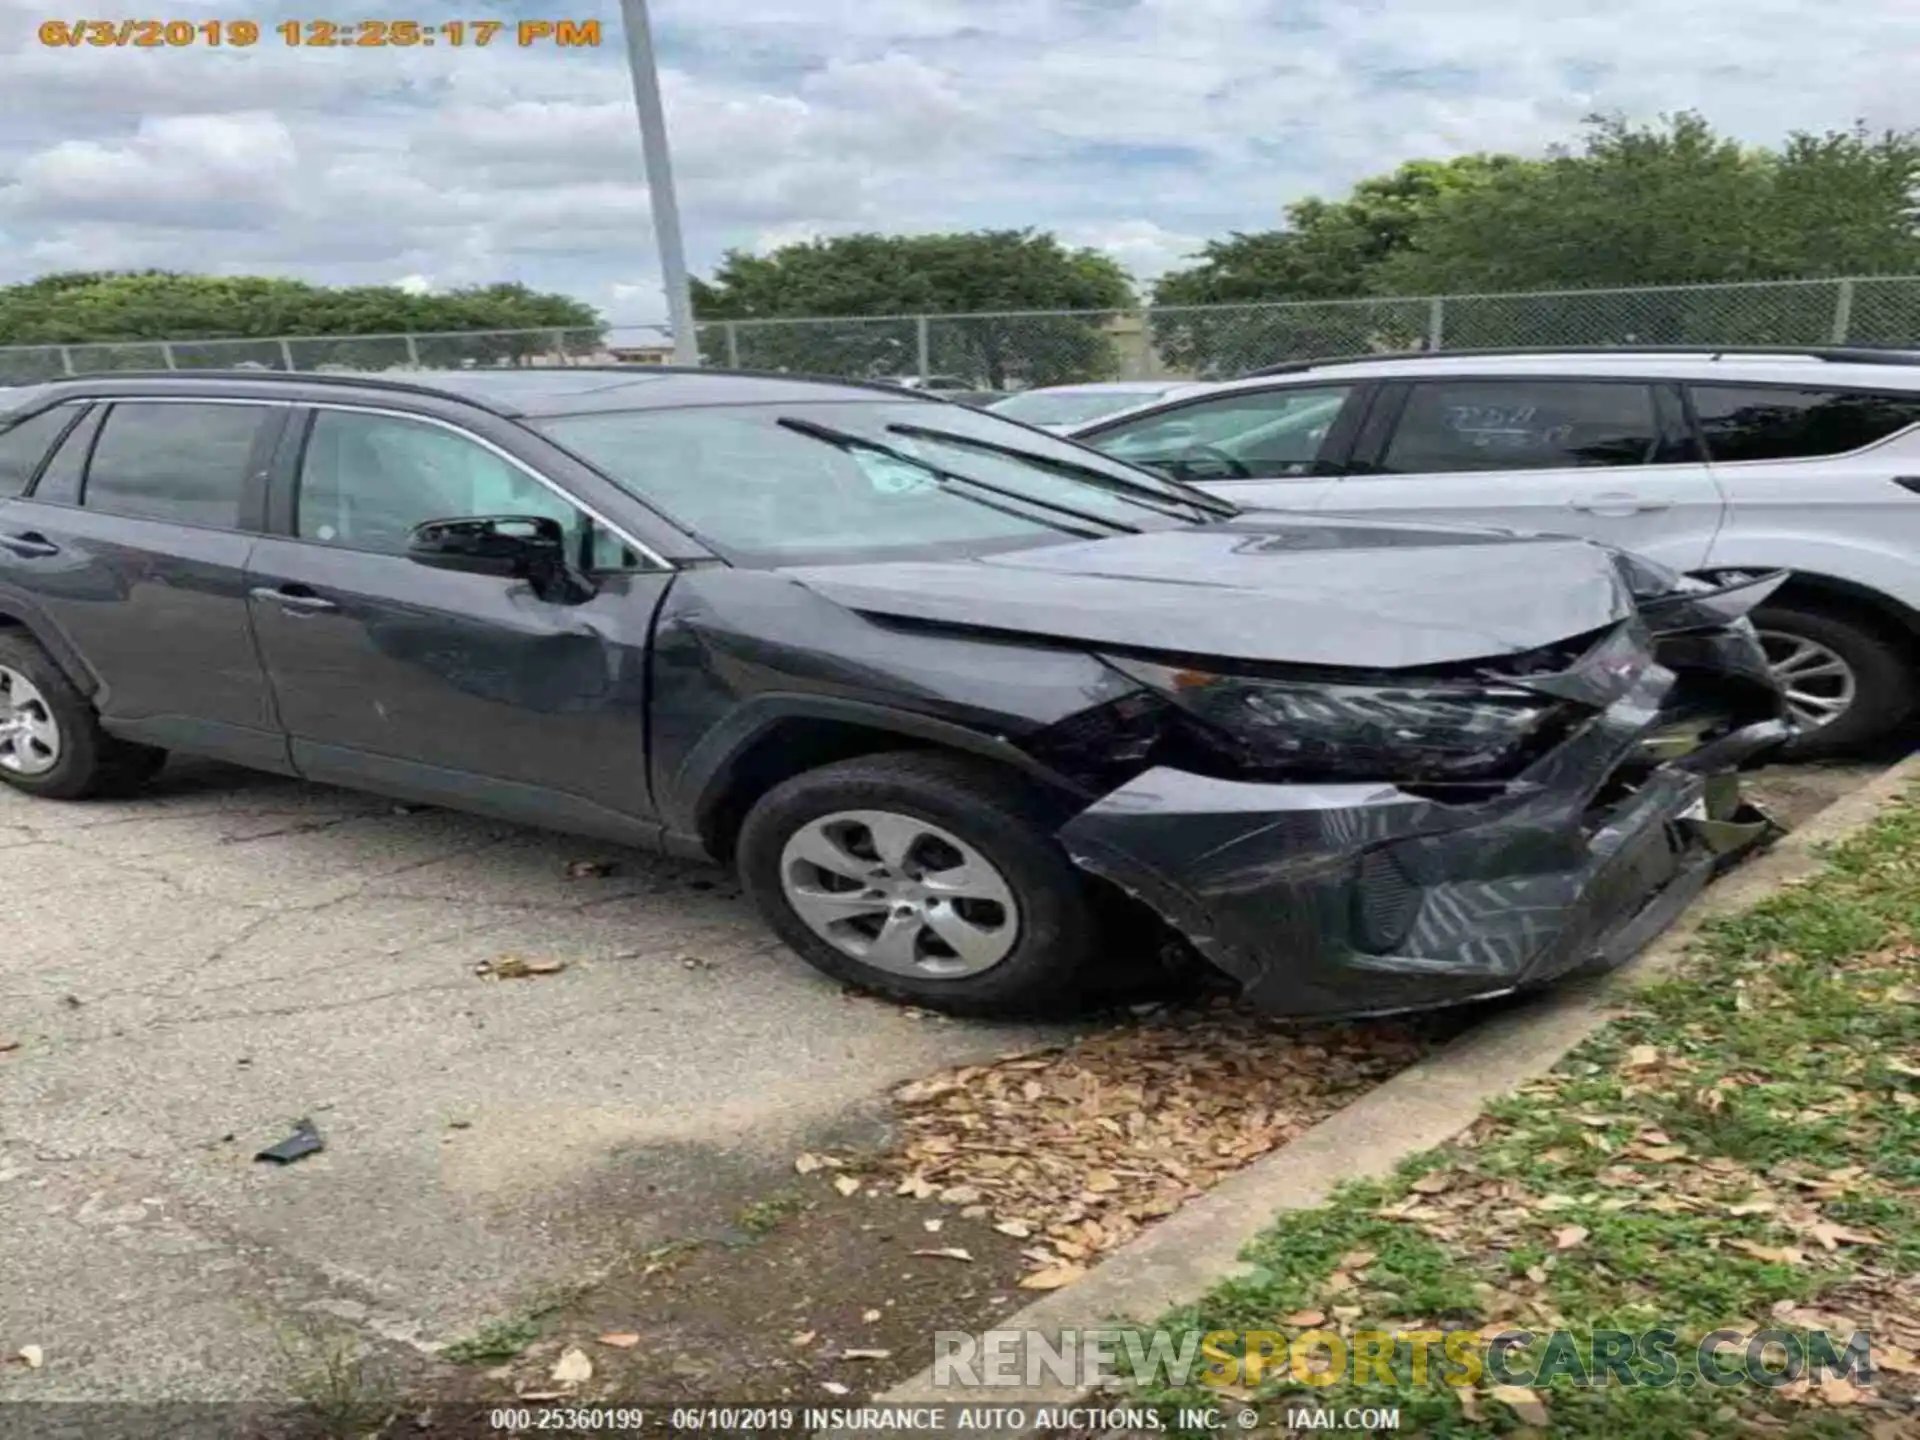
(900, 894)
(29, 735)
(1819, 684)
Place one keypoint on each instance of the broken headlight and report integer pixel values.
(1406, 732)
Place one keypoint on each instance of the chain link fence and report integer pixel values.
(450, 350)
(1020, 349)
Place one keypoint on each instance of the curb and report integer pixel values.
(1425, 1105)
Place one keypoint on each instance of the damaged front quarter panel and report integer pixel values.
(1372, 897)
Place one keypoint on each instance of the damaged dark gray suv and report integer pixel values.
(976, 711)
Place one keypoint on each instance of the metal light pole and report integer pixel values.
(666, 210)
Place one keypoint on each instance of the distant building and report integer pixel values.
(661, 354)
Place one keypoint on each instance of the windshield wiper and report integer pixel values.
(846, 439)
(1131, 489)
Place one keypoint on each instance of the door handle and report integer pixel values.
(30, 546)
(1617, 502)
(294, 599)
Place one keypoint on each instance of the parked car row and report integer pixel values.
(982, 716)
(1714, 463)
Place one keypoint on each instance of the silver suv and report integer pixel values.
(1712, 461)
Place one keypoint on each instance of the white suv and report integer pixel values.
(1710, 461)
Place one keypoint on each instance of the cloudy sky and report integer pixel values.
(1139, 126)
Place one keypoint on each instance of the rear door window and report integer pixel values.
(60, 478)
(1454, 425)
(184, 463)
(25, 445)
(1767, 422)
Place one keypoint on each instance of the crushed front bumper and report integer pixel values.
(1362, 899)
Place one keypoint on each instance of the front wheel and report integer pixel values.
(1847, 684)
(925, 877)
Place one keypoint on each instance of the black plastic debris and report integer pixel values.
(304, 1141)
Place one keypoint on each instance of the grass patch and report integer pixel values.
(1740, 1152)
(763, 1217)
(494, 1342)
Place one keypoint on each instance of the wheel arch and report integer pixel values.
(1812, 590)
(772, 738)
(20, 615)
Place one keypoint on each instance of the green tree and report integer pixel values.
(1328, 250)
(883, 276)
(103, 312)
(1671, 204)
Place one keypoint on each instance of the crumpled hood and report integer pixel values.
(1266, 587)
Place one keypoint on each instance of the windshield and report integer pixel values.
(795, 484)
(1070, 407)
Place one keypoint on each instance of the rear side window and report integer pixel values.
(183, 463)
(23, 446)
(1522, 425)
(60, 480)
(1762, 422)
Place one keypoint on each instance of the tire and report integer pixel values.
(67, 756)
(1025, 957)
(1880, 671)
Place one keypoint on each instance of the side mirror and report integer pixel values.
(510, 547)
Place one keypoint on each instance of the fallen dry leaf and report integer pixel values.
(1659, 1154)
(1569, 1237)
(865, 1354)
(871, 1315)
(1018, 1229)
(620, 1339)
(1053, 1277)
(933, 1227)
(806, 1162)
(572, 1368)
(1432, 1184)
(834, 1387)
(846, 1184)
(1772, 1255)
(1641, 1056)
(1837, 1390)
(1357, 1259)
(803, 1339)
(1304, 1319)
(1522, 1402)
(1092, 1142)
(1831, 1236)
(515, 967)
(947, 1252)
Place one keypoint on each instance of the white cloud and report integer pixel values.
(1136, 126)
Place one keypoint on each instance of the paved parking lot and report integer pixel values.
(188, 973)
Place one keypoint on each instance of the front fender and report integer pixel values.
(699, 784)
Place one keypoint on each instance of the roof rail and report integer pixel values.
(1833, 354)
(378, 381)
(290, 377)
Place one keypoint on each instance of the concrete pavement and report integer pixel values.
(189, 972)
